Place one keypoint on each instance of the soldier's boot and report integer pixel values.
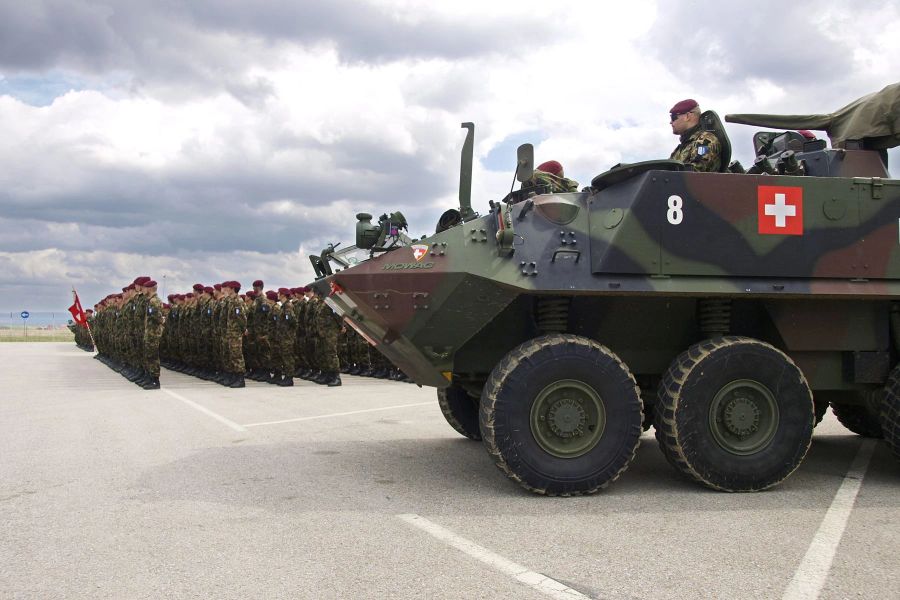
(142, 379)
(151, 383)
(319, 377)
(271, 378)
(261, 375)
(285, 381)
(221, 377)
(236, 380)
(333, 379)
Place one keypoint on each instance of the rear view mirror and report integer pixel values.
(525, 165)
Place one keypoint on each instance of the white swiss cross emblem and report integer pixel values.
(419, 251)
(780, 210)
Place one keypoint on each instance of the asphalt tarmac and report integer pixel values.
(364, 491)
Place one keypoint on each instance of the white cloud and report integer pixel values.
(274, 134)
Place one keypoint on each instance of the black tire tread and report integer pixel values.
(858, 419)
(500, 373)
(669, 396)
(452, 416)
(890, 412)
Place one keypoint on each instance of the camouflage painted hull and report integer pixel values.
(810, 265)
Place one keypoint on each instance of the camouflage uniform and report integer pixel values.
(235, 323)
(327, 329)
(154, 319)
(557, 184)
(285, 334)
(699, 148)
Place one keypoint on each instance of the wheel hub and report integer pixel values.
(743, 417)
(567, 418)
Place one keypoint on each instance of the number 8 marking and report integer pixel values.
(675, 214)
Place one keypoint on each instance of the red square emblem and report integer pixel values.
(780, 210)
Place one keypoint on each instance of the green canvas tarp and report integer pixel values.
(872, 119)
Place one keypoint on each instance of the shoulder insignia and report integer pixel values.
(702, 150)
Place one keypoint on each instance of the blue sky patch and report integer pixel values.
(502, 157)
(39, 90)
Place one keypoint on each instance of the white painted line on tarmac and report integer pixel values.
(205, 410)
(810, 577)
(340, 414)
(535, 581)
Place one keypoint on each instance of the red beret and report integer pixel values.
(150, 283)
(684, 106)
(141, 280)
(217, 287)
(551, 166)
(171, 297)
(272, 295)
(236, 286)
(198, 287)
(807, 134)
(189, 295)
(251, 294)
(258, 283)
(166, 305)
(284, 292)
(209, 289)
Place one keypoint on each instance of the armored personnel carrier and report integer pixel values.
(728, 310)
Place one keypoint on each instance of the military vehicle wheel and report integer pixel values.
(561, 415)
(890, 412)
(735, 414)
(862, 419)
(461, 410)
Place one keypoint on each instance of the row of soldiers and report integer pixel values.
(127, 329)
(220, 335)
(281, 334)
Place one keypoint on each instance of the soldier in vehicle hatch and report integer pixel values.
(550, 174)
(699, 148)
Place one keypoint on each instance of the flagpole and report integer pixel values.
(86, 323)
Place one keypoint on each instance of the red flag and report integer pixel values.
(77, 313)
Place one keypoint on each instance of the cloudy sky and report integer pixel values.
(223, 139)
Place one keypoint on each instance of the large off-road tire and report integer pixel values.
(461, 410)
(862, 419)
(890, 412)
(735, 414)
(561, 415)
